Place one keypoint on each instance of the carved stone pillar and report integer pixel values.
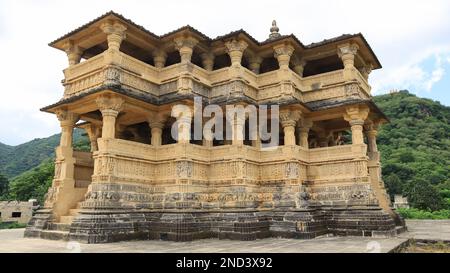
(235, 49)
(371, 132)
(185, 45)
(255, 63)
(67, 121)
(115, 32)
(159, 58)
(156, 122)
(299, 65)
(288, 119)
(73, 52)
(94, 133)
(366, 70)
(356, 116)
(208, 60)
(283, 54)
(303, 132)
(110, 108)
(322, 138)
(238, 131)
(184, 129)
(347, 54)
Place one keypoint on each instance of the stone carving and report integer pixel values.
(112, 76)
(184, 169)
(292, 170)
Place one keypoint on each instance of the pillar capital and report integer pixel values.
(185, 45)
(159, 58)
(299, 65)
(110, 105)
(156, 121)
(354, 113)
(347, 53)
(115, 33)
(283, 54)
(94, 132)
(356, 116)
(74, 52)
(288, 119)
(235, 48)
(288, 116)
(67, 121)
(66, 118)
(366, 70)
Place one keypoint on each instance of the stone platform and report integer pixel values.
(13, 241)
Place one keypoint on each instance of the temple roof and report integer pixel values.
(358, 37)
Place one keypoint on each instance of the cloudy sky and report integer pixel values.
(411, 38)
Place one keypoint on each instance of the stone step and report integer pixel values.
(66, 219)
(74, 212)
(59, 226)
(400, 229)
(55, 235)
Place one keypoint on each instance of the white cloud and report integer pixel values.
(402, 33)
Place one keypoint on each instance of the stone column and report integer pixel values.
(184, 129)
(110, 108)
(93, 132)
(366, 70)
(238, 131)
(208, 60)
(156, 122)
(185, 45)
(303, 132)
(299, 65)
(288, 119)
(255, 63)
(67, 121)
(347, 54)
(283, 54)
(322, 138)
(115, 32)
(371, 132)
(235, 49)
(159, 58)
(356, 116)
(73, 52)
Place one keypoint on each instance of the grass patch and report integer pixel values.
(413, 213)
(11, 225)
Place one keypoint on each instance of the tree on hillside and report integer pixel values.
(3, 185)
(424, 196)
(33, 183)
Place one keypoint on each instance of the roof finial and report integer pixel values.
(274, 30)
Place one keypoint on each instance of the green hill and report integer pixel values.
(415, 149)
(15, 160)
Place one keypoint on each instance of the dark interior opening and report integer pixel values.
(95, 50)
(222, 61)
(268, 64)
(16, 214)
(136, 52)
(196, 59)
(173, 58)
(327, 64)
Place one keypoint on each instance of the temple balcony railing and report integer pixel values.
(121, 69)
(122, 160)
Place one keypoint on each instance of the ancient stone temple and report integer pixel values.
(141, 182)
